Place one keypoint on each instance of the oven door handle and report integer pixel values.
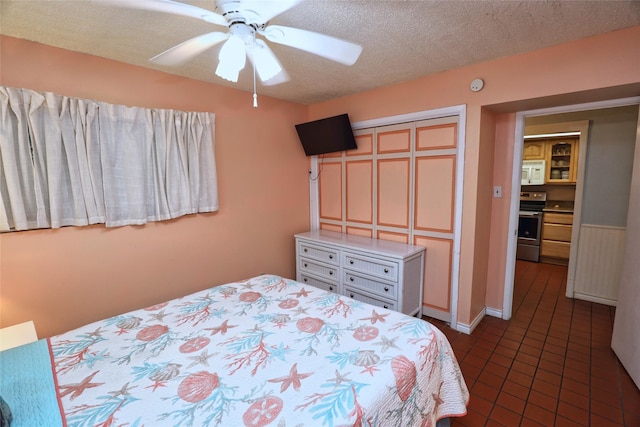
(525, 213)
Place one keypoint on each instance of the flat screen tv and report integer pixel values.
(326, 135)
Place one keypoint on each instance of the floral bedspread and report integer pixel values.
(266, 351)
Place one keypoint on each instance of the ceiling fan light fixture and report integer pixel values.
(231, 59)
(244, 19)
(269, 66)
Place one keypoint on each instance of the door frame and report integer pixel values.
(510, 264)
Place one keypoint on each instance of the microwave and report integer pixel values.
(533, 172)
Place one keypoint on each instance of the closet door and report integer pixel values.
(346, 188)
(434, 210)
(393, 178)
(400, 185)
(330, 191)
(359, 196)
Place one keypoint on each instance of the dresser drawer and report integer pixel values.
(320, 253)
(369, 285)
(318, 269)
(359, 296)
(324, 285)
(371, 266)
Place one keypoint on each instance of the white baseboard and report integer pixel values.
(593, 298)
(467, 329)
(445, 316)
(493, 312)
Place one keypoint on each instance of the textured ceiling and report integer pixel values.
(402, 40)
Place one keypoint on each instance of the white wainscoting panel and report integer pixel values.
(598, 264)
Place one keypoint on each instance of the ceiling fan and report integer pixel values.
(245, 20)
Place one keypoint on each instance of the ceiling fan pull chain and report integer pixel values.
(253, 54)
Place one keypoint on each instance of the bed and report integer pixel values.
(266, 351)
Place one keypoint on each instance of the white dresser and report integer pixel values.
(379, 272)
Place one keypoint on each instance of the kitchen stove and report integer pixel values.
(530, 225)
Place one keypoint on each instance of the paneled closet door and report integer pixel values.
(393, 175)
(359, 182)
(434, 210)
(330, 191)
(399, 185)
(393, 180)
(359, 186)
(346, 188)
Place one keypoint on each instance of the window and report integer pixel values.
(67, 161)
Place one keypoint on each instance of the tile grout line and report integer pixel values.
(555, 306)
(564, 365)
(528, 325)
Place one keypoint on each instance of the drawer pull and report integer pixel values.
(330, 288)
(305, 279)
(351, 261)
(350, 295)
(330, 256)
(305, 264)
(305, 249)
(331, 273)
(385, 306)
(386, 289)
(386, 270)
(351, 278)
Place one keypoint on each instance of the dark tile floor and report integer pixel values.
(550, 365)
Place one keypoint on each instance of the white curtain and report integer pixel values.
(66, 161)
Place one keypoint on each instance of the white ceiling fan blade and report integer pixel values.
(265, 9)
(332, 48)
(231, 59)
(268, 67)
(186, 50)
(169, 6)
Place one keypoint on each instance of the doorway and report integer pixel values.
(566, 194)
(547, 114)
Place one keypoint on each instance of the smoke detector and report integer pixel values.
(477, 85)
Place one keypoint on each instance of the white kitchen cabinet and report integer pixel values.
(379, 272)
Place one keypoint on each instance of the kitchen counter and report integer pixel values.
(559, 207)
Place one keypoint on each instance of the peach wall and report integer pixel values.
(505, 125)
(66, 277)
(484, 211)
(470, 214)
(590, 69)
